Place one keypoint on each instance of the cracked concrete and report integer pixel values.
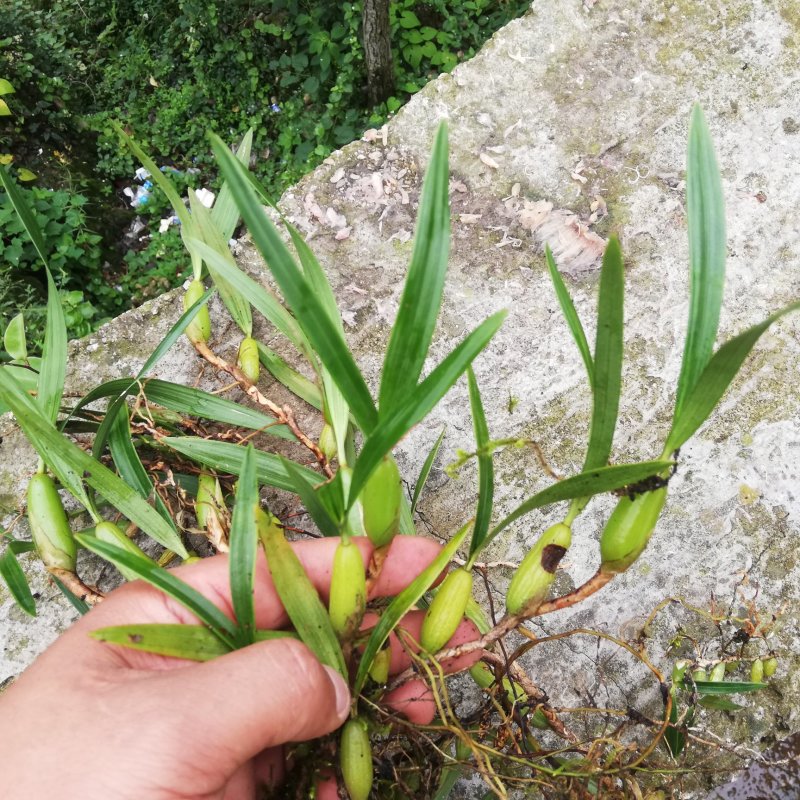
(571, 124)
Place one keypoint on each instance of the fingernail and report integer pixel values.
(342, 692)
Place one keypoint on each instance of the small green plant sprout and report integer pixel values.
(168, 461)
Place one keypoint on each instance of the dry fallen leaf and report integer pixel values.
(576, 248)
(469, 219)
(489, 161)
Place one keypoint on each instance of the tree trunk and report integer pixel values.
(377, 50)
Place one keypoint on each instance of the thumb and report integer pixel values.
(260, 696)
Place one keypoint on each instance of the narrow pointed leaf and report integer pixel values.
(14, 338)
(723, 687)
(190, 642)
(426, 470)
(585, 484)
(18, 548)
(228, 458)
(162, 579)
(403, 603)
(715, 379)
(422, 294)
(236, 303)
(244, 546)
(570, 314)
(53, 371)
(262, 298)
(78, 603)
(295, 382)
(420, 402)
(16, 581)
(300, 599)
(705, 208)
(317, 510)
(309, 310)
(607, 357)
(130, 466)
(68, 460)
(224, 212)
(483, 515)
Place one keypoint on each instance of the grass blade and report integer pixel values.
(295, 382)
(53, 371)
(483, 515)
(317, 510)
(130, 466)
(323, 334)
(224, 212)
(707, 250)
(300, 599)
(426, 470)
(228, 458)
(570, 314)
(17, 583)
(263, 299)
(607, 357)
(206, 229)
(162, 579)
(723, 687)
(244, 546)
(68, 461)
(585, 484)
(420, 402)
(715, 379)
(422, 294)
(403, 603)
(174, 333)
(80, 605)
(190, 642)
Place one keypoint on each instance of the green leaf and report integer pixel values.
(309, 310)
(426, 470)
(174, 333)
(5, 111)
(130, 466)
(312, 502)
(723, 687)
(295, 382)
(53, 371)
(720, 703)
(420, 402)
(715, 379)
(68, 460)
(300, 599)
(607, 357)
(78, 603)
(675, 736)
(228, 458)
(707, 250)
(570, 314)
(236, 303)
(14, 338)
(403, 603)
(422, 293)
(190, 642)
(18, 548)
(585, 484)
(244, 546)
(262, 298)
(164, 580)
(26, 379)
(224, 212)
(17, 582)
(5, 87)
(483, 516)
(24, 174)
(24, 213)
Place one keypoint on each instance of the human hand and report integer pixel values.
(89, 720)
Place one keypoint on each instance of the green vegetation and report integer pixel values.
(292, 71)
